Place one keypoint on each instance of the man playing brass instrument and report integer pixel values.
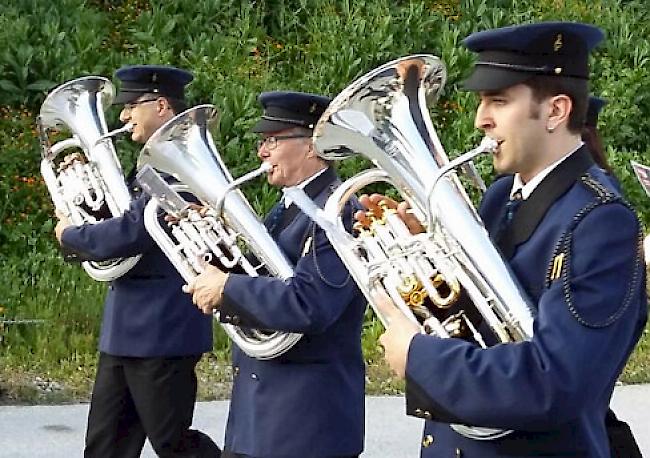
(571, 241)
(309, 401)
(152, 336)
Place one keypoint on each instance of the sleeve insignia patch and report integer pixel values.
(558, 263)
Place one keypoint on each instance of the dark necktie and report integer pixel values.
(275, 216)
(511, 207)
(509, 214)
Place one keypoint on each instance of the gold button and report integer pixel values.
(459, 453)
(427, 440)
(254, 376)
(427, 415)
(418, 412)
(236, 370)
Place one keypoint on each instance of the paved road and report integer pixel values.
(58, 431)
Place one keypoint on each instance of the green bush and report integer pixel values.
(236, 50)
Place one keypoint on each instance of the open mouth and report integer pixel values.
(497, 150)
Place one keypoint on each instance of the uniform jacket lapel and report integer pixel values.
(533, 209)
(313, 189)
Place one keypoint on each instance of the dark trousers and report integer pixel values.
(621, 440)
(228, 454)
(136, 398)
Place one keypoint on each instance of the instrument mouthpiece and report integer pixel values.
(263, 168)
(128, 127)
(488, 144)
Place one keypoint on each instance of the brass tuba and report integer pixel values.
(86, 185)
(383, 116)
(184, 149)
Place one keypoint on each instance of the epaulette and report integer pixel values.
(600, 191)
(310, 244)
(558, 268)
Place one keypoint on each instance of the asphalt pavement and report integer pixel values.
(58, 431)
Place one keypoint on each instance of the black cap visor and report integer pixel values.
(486, 78)
(131, 90)
(268, 125)
(127, 97)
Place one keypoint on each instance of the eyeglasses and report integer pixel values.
(272, 142)
(129, 106)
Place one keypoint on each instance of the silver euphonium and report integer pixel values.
(184, 149)
(383, 116)
(86, 185)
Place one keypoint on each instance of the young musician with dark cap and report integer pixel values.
(621, 439)
(152, 336)
(309, 401)
(574, 246)
(590, 134)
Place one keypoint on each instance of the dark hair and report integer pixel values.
(576, 89)
(592, 139)
(177, 105)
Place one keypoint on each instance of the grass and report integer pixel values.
(637, 369)
(71, 380)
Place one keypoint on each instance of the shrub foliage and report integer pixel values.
(237, 49)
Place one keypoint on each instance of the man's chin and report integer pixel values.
(496, 164)
(499, 162)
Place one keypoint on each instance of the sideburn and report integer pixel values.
(535, 109)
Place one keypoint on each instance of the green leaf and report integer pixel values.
(8, 86)
(41, 85)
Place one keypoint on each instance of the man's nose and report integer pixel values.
(483, 120)
(262, 152)
(125, 115)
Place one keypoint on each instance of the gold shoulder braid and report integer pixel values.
(309, 246)
(559, 265)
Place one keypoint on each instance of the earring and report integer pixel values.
(550, 129)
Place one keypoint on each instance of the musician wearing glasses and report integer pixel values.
(309, 401)
(572, 242)
(152, 336)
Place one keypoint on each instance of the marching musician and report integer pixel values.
(309, 401)
(152, 336)
(591, 136)
(621, 440)
(573, 244)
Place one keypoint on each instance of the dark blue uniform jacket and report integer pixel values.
(555, 389)
(308, 402)
(146, 314)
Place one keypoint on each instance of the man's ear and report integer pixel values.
(559, 111)
(162, 105)
(311, 152)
